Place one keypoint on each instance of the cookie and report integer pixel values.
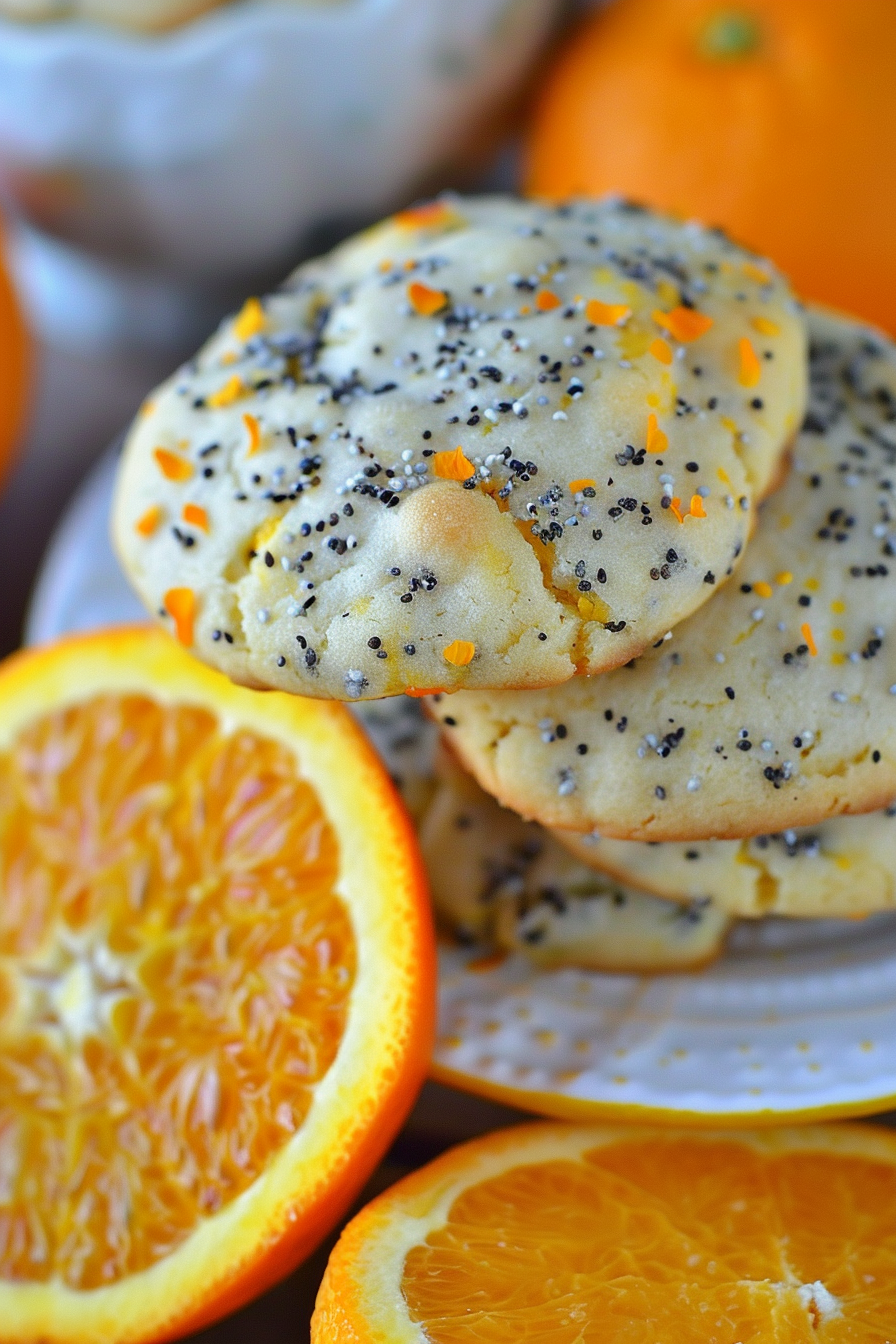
(775, 706)
(486, 444)
(504, 882)
(141, 15)
(842, 867)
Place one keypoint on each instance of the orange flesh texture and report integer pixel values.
(175, 974)
(15, 371)
(696, 1242)
(785, 145)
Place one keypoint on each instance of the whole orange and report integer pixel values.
(775, 119)
(15, 368)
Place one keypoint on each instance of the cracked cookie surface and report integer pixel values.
(773, 707)
(485, 444)
(844, 866)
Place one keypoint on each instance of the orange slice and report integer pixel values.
(16, 362)
(605, 1236)
(216, 986)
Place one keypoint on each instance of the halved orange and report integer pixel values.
(15, 368)
(577, 1235)
(216, 985)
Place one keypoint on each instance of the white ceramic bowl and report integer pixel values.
(210, 154)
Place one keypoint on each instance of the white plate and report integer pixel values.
(798, 1019)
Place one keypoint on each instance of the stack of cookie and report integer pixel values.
(553, 471)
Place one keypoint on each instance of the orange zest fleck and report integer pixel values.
(765, 326)
(657, 440)
(459, 652)
(683, 324)
(750, 370)
(196, 516)
(661, 350)
(232, 390)
(254, 431)
(546, 299)
(426, 301)
(675, 506)
(606, 314)
(180, 604)
(806, 632)
(583, 484)
(147, 523)
(453, 465)
(697, 509)
(762, 589)
(489, 961)
(754, 272)
(426, 216)
(250, 320)
(172, 466)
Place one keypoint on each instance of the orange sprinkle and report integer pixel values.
(489, 961)
(453, 465)
(545, 300)
(147, 523)
(657, 441)
(765, 326)
(172, 466)
(525, 309)
(753, 272)
(697, 509)
(750, 369)
(180, 604)
(762, 589)
(806, 632)
(425, 216)
(409, 264)
(583, 484)
(146, 409)
(250, 320)
(675, 506)
(723, 476)
(459, 653)
(683, 324)
(232, 390)
(254, 429)
(661, 350)
(784, 578)
(196, 516)
(426, 301)
(606, 314)
(384, 265)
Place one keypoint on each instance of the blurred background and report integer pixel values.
(162, 159)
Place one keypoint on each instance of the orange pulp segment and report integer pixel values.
(170, 1005)
(582, 1236)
